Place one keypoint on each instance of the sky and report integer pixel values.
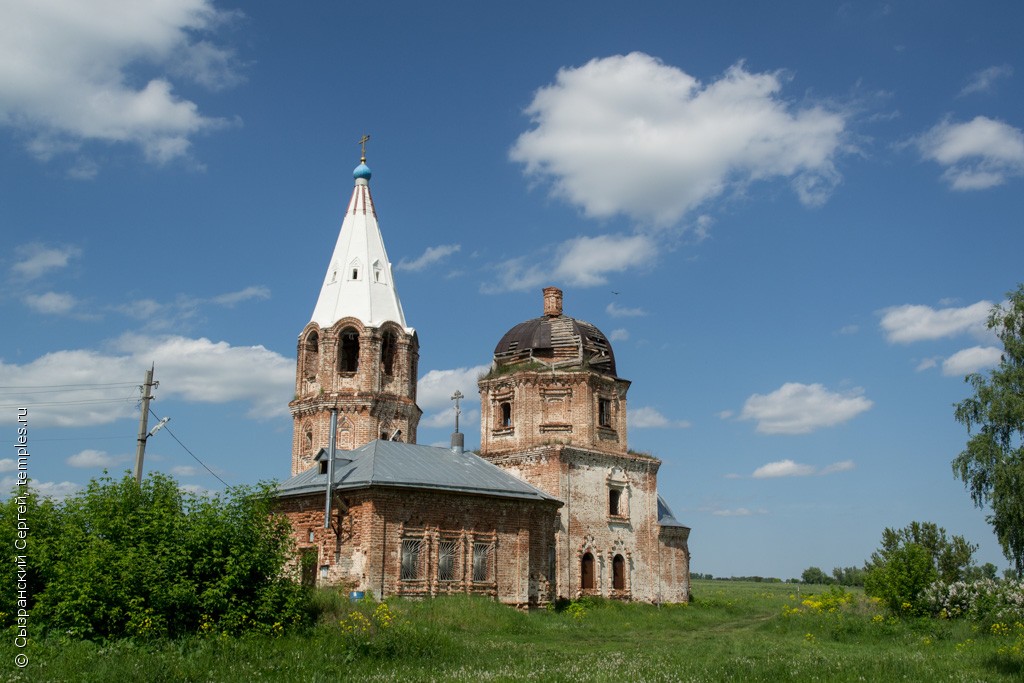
(791, 219)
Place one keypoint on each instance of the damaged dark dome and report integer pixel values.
(556, 340)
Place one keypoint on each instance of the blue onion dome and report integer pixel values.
(362, 171)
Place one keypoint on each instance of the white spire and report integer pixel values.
(358, 281)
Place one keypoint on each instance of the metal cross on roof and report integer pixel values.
(457, 396)
(362, 141)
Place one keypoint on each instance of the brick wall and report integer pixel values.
(552, 407)
(364, 548)
(370, 401)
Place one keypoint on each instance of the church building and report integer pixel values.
(555, 504)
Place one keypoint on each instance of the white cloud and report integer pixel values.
(618, 334)
(927, 363)
(435, 389)
(91, 458)
(979, 154)
(796, 408)
(725, 414)
(841, 466)
(176, 314)
(984, 81)
(640, 418)
(70, 72)
(434, 396)
(56, 490)
(184, 471)
(737, 512)
(194, 370)
(580, 262)
(34, 260)
(788, 468)
(231, 298)
(631, 135)
(970, 360)
(197, 490)
(911, 323)
(616, 311)
(51, 303)
(782, 468)
(446, 419)
(586, 260)
(49, 489)
(8, 464)
(849, 329)
(429, 257)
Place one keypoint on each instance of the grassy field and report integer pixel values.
(734, 631)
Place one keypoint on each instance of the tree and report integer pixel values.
(912, 558)
(950, 558)
(848, 576)
(815, 575)
(900, 580)
(992, 464)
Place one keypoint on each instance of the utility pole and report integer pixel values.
(147, 396)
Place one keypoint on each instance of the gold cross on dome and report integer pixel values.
(362, 141)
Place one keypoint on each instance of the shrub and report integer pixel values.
(901, 579)
(123, 560)
(983, 600)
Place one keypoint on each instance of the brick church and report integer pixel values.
(555, 504)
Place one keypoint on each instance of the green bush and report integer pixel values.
(900, 580)
(122, 560)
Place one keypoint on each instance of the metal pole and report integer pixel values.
(140, 449)
(330, 467)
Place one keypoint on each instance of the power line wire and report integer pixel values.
(69, 403)
(190, 452)
(64, 386)
(36, 390)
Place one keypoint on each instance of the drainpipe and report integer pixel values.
(330, 467)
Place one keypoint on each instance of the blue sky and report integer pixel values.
(791, 220)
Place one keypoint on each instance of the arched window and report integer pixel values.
(618, 573)
(348, 350)
(307, 437)
(587, 572)
(311, 355)
(388, 344)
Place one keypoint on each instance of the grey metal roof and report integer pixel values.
(665, 516)
(404, 465)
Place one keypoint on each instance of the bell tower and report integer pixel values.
(356, 356)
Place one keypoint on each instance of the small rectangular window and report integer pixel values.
(481, 561)
(613, 502)
(446, 561)
(604, 412)
(411, 559)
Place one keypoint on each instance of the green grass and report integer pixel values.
(733, 631)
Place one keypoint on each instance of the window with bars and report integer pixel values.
(411, 549)
(482, 555)
(446, 560)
